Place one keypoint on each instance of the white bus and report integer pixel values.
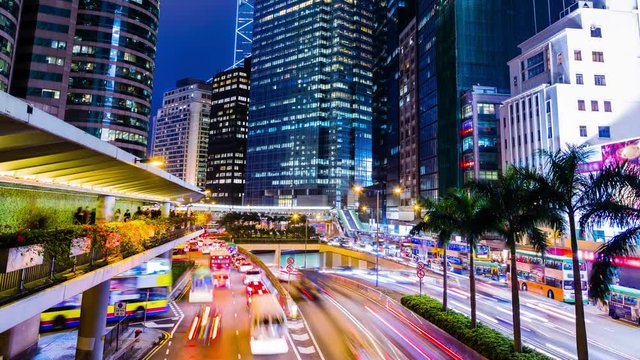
(268, 327)
(201, 286)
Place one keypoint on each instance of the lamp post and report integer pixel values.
(295, 217)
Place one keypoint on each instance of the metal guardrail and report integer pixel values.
(115, 338)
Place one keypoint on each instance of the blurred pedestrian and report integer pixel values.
(117, 216)
(85, 215)
(92, 216)
(77, 217)
(127, 215)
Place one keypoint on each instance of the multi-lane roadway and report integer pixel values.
(547, 325)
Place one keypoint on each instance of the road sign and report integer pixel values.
(420, 273)
(290, 268)
(420, 265)
(290, 260)
(120, 309)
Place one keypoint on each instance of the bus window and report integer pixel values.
(630, 300)
(616, 298)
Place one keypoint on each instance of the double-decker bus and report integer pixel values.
(491, 270)
(145, 288)
(550, 276)
(624, 303)
(201, 286)
(220, 264)
(457, 253)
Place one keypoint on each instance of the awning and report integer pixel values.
(38, 149)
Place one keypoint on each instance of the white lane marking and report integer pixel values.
(302, 337)
(237, 332)
(169, 342)
(311, 334)
(560, 350)
(167, 353)
(306, 350)
(295, 351)
(239, 357)
(175, 327)
(295, 326)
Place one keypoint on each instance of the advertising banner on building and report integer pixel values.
(614, 153)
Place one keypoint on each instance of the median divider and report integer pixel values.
(448, 343)
(284, 298)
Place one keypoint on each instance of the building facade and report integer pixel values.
(462, 44)
(408, 89)
(9, 20)
(244, 32)
(91, 63)
(480, 155)
(182, 130)
(228, 136)
(43, 58)
(571, 84)
(309, 131)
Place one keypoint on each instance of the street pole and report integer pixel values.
(377, 231)
(146, 306)
(306, 236)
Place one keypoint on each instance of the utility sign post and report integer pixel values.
(420, 273)
(120, 309)
(290, 261)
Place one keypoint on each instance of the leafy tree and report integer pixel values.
(613, 199)
(468, 213)
(520, 211)
(438, 220)
(567, 190)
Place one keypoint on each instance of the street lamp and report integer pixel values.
(358, 189)
(156, 162)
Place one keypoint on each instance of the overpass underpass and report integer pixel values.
(331, 256)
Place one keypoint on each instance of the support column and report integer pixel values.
(277, 257)
(165, 210)
(21, 341)
(167, 255)
(105, 207)
(93, 320)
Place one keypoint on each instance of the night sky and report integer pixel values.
(195, 40)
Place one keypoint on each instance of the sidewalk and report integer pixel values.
(62, 345)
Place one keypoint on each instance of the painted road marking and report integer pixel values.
(306, 350)
(302, 337)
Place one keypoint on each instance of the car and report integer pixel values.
(245, 267)
(255, 288)
(205, 326)
(221, 280)
(252, 275)
(206, 250)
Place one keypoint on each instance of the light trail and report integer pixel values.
(399, 334)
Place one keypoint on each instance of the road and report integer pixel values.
(368, 330)
(547, 325)
(233, 341)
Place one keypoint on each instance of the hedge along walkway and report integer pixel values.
(482, 339)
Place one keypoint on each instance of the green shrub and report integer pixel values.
(486, 341)
(179, 267)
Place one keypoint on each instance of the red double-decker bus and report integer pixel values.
(220, 264)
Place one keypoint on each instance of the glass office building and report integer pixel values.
(309, 132)
(462, 44)
(9, 15)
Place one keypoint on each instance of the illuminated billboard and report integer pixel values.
(614, 153)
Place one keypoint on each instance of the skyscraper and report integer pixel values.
(309, 136)
(91, 63)
(243, 33)
(182, 130)
(228, 135)
(9, 16)
(462, 44)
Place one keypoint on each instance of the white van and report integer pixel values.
(268, 327)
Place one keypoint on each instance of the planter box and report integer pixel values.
(22, 257)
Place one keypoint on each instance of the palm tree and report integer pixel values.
(567, 189)
(614, 199)
(438, 220)
(517, 204)
(468, 214)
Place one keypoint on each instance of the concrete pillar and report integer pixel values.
(328, 260)
(277, 257)
(165, 210)
(21, 341)
(105, 207)
(167, 255)
(93, 320)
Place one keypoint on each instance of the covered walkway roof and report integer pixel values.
(40, 150)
